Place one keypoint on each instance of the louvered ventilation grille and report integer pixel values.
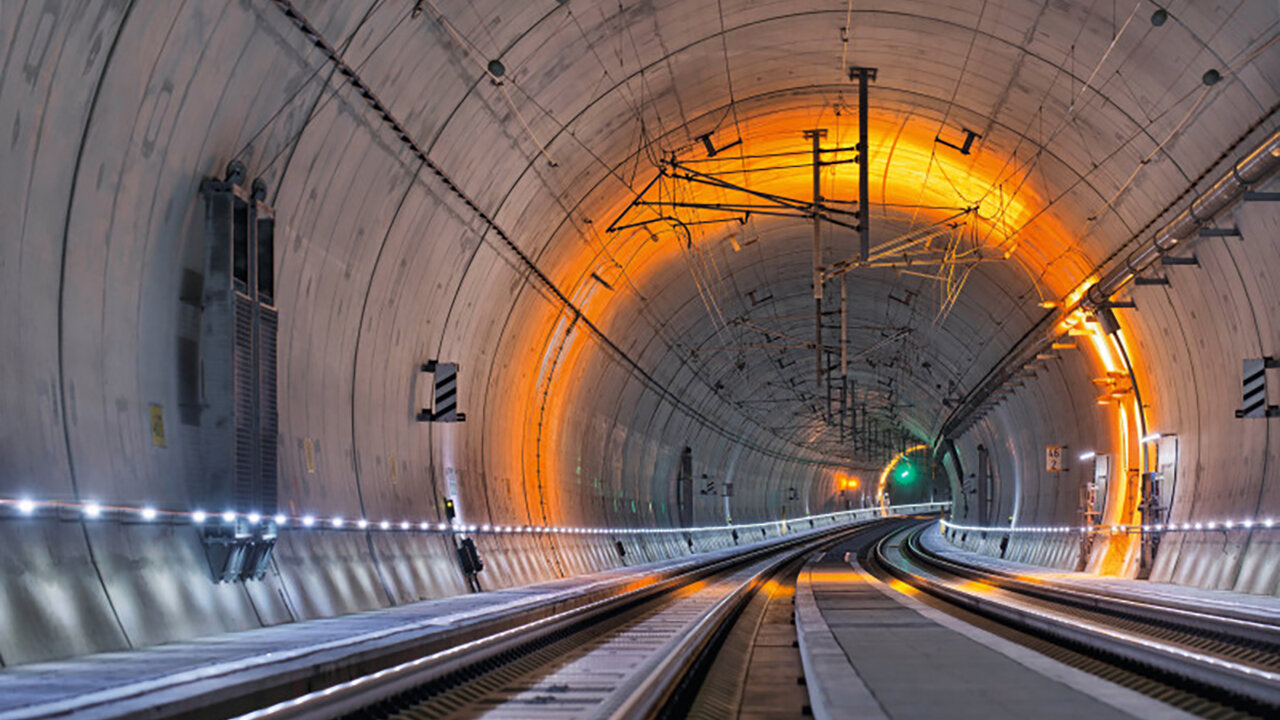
(267, 413)
(237, 352)
(244, 492)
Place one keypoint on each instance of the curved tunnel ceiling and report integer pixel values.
(548, 119)
(444, 176)
(1089, 122)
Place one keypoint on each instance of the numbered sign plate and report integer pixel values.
(1053, 458)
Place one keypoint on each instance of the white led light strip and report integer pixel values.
(1211, 526)
(91, 510)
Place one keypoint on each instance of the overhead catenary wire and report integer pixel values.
(543, 282)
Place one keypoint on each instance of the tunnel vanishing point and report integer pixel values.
(320, 311)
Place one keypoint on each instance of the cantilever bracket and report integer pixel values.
(712, 150)
(1220, 232)
(1257, 196)
(969, 137)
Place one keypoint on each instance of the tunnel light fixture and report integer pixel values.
(1088, 455)
(93, 510)
(1202, 526)
(1151, 438)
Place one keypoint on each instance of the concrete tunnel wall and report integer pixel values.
(1186, 340)
(116, 111)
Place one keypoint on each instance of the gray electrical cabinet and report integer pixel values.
(238, 419)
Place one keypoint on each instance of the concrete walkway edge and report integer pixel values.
(1117, 696)
(835, 688)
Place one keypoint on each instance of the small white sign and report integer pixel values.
(1053, 455)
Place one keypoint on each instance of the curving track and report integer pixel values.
(641, 653)
(1227, 657)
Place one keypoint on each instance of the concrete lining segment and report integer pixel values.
(890, 640)
(190, 87)
(181, 679)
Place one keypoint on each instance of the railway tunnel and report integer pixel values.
(383, 311)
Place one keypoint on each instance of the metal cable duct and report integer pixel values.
(1254, 168)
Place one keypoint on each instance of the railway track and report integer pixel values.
(639, 654)
(1219, 662)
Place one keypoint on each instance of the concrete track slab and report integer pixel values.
(180, 677)
(1246, 606)
(903, 660)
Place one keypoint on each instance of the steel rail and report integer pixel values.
(1155, 610)
(656, 688)
(1220, 672)
(378, 687)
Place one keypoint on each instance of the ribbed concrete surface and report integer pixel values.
(111, 115)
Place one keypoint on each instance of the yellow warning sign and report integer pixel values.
(309, 454)
(157, 425)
